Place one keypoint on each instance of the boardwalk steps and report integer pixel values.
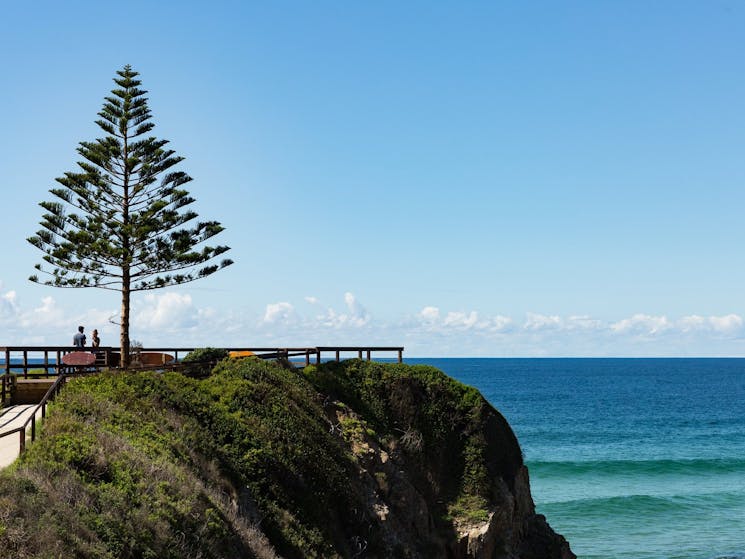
(12, 418)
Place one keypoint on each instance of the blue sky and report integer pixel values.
(547, 178)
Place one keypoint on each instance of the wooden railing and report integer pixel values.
(49, 358)
(18, 358)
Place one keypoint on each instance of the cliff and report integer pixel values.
(341, 460)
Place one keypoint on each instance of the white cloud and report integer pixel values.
(312, 300)
(46, 315)
(430, 318)
(535, 321)
(45, 323)
(355, 317)
(693, 322)
(727, 324)
(279, 312)
(461, 320)
(501, 323)
(169, 310)
(642, 324)
(429, 314)
(8, 305)
(358, 315)
(583, 322)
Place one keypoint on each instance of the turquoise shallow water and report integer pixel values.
(628, 458)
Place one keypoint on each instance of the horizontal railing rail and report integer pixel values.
(49, 359)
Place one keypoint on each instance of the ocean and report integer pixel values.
(628, 458)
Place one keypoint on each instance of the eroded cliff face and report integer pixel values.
(434, 502)
(408, 525)
(513, 530)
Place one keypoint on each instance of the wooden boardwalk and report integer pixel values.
(13, 418)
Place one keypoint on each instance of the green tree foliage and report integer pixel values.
(120, 222)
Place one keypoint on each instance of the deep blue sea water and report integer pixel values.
(628, 458)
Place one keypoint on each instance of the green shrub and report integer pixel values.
(206, 354)
(200, 362)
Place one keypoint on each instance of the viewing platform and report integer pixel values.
(49, 360)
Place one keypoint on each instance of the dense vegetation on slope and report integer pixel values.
(257, 460)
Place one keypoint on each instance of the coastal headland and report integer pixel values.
(349, 459)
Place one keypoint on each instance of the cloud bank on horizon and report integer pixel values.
(174, 318)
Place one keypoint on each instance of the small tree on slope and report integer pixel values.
(119, 222)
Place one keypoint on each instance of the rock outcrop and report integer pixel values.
(410, 506)
(513, 530)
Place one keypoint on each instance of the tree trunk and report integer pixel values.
(124, 336)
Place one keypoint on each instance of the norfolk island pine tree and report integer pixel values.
(120, 223)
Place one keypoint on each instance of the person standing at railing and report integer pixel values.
(95, 344)
(78, 340)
